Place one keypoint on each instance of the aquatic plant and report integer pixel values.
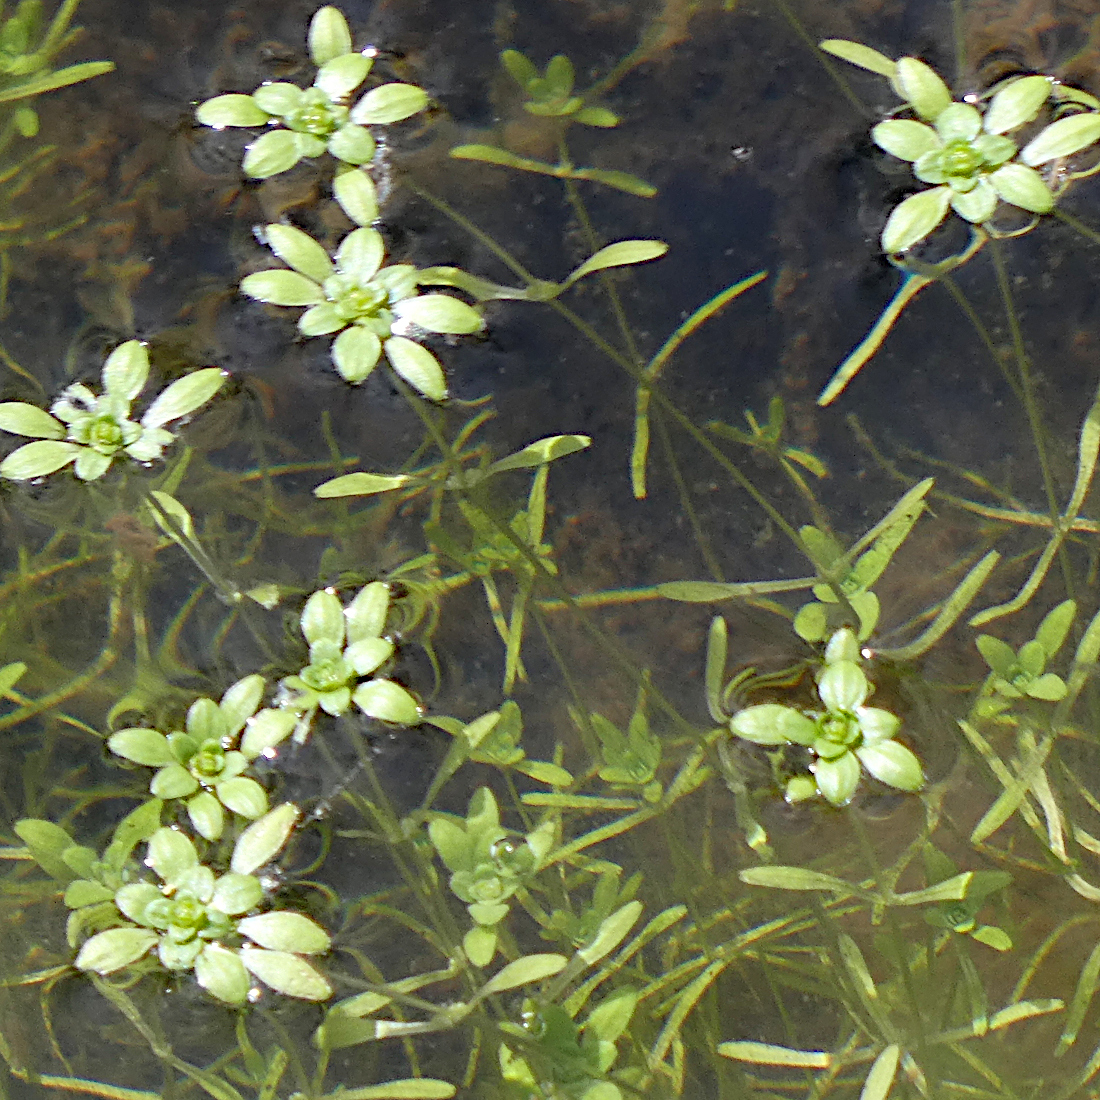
(564, 889)
(91, 431)
(368, 306)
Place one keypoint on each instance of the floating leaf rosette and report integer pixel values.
(303, 123)
(196, 920)
(844, 737)
(91, 430)
(204, 763)
(964, 149)
(372, 309)
(346, 649)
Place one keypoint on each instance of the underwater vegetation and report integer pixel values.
(341, 777)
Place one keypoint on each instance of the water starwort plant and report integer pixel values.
(842, 737)
(191, 916)
(369, 306)
(304, 123)
(347, 644)
(204, 764)
(91, 431)
(964, 148)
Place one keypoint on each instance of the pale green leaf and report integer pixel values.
(881, 1077)
(905, 138)
(239, 702)
(355, 353)
(480, 945)
(360, 485)
(341, 75)
(329, 35)
(417, 366)
(46, 843)
(264, 839)
(795, 878)
(10, 674)
(235, 894)
(265, 731)
(892, 763)
(360, 254)
(323, 618)
(540, 452)
(408, 1088)
(299, 251)
(90, 464)
(184, 396)
(352, 144)
(112, 950)
(286, 931)
(286, 973)
(619, 254)
(914, 218)
(355, 192)
(271, 153)
(1062, 138)
(171, 516)
(389, 103)
(524, 971)
(388, 702)
(858, 54)
(126, 371)
(207, 815)
(1055, 626)
(38, 459)
(243, 796)
(21, 418)
(1023, 187)
(231, 110)
(953, 888)
(976, 205)
(366, 614)
(1016, 104)
(612, 931)
(279, 97)
(282, 288)
(440, 313)
(923, 88)
(222, 974)
(142, 746)
(171, 854)
(766, 1054)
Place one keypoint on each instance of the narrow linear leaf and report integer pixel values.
(765, 1054)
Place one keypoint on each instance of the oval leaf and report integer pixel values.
(360, 485)
(922, 87)
(20, 418)
(417, 366)
(44, 456)
(112, 950)
(142, 746)
(286, 973)
(222, 974)
(271, 153)
(286, 931)
(440, 313)
(905, 138)
(1016, 104)
(524, 971)
(542, 451)
(184, 396)
(231, 110)
(619, 254)
(914, 218)
(1023, 187)
(264, 839)
(863, 56)
(282, 288)
(388, 702)
(299, 251)
(329, 35)
(389, 103)
(1063, 138)
(355, 192)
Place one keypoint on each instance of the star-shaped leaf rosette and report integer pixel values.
(204, 764)
(372, 309)
(91, 430)
(346, 646)
(194, 919)
(843, 738)
(964, 149)
(306, 122)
